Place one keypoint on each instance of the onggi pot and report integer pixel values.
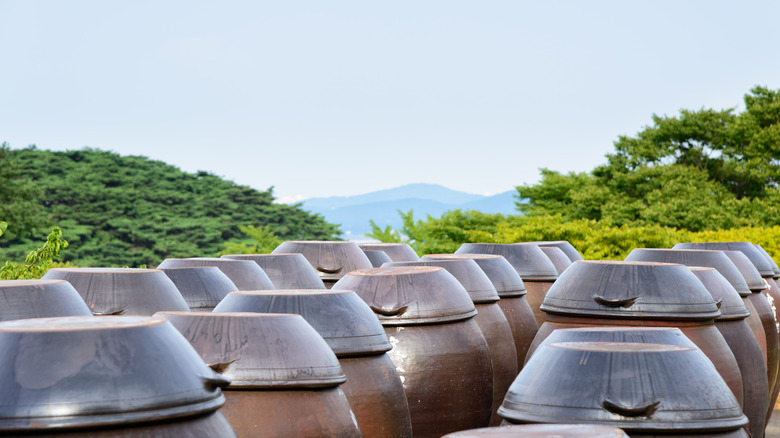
(511, 290)
(645, 389)
(640, 293)
(332, 260)
(438, 349)
(243, 273)
(398, 252)
(733, 326)
(284, 377)
(489, 318)
(353, 332)
(122, 291)
(286, 271)
(119, 376)
(542, 431)
(535, 268)
(203, 287)
(40, 299)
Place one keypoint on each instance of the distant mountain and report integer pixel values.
(433, 192)
(354, 212)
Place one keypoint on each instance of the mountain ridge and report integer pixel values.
(353, 213)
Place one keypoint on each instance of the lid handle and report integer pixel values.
(215, 381)
(623, 302)
(390, 312)
(719, 303)
(631, 412)
(110, 312)
(329, 271)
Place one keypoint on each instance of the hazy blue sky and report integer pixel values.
(322, 98)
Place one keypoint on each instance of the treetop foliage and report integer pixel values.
(131, 211)
(700, 170)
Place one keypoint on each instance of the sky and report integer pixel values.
(341, 98)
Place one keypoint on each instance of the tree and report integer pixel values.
(701, 170)
(19, 198)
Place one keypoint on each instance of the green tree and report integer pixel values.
(261, 240)
(131, 211)
(20, 199)
(701, 170)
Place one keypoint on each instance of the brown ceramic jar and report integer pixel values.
(286, 271)
(535, 268)
(511, 290)
(122, 291)
(733, 326)
(332, 260)
(40, 299)
(645, 389)
(203, 287)
(284, 377)
(490, 319)
(568, 249)
(640, 293)
(119, 376)
(398, 252)
(438, 349)
(243, 273)
(353, 332)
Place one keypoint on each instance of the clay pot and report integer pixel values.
(740, 339)
(398, 252)
(202, 287)
(286, 271)
(243, 273)
(557, 257)
(122, 291)
(332, 260)
(284, 377)
(377, 258)
(760, 320)
(353, 332)
(569, 249)
(490, 319)
(640, 293)
(511, 290)
(40, 299)
(117, 376)
(543, 431)
(535, 268)
(438, 349)
(644, 389)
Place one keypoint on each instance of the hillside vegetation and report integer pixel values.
(130, 211)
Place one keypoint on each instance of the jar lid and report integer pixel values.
(260, 350)
(569, 249)
(398, 252)
(286, 271)
(753, 254)
(504, 277)
(122, 291)
(203, 287)
(468, 273)
(597, 382)
(732, 306)
(695, 257)
(753, 278)
(40, 299)
(557, 257)
(245, 274)
(331, 259)
(528, 260)
(344, 320)
(87, 371)
(410, 295)
(542, 431)
(775, 268)
(377, 257)
(634, 290)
